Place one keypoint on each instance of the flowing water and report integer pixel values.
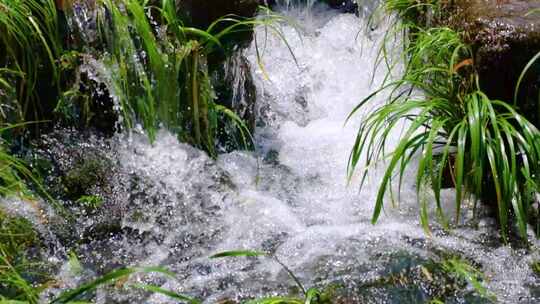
(173, 206)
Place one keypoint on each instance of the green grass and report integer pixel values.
(410, 11)
(17, 236)
(162, 79)
(535, 267)
(16, 288)
(157, 69)
(29, 44)
(490, 150)
(14, 174)
(464, 271)
(16, 178)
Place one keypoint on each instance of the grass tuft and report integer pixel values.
(449, 127)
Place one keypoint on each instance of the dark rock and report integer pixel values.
(236, 90)
(81, 173)
(231, 76)
(91, 104)
(505, 36)
(201, 13)
(346, 6)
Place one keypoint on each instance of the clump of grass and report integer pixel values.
(11, 182)
(29, 44)
(17, 237)
(159, 73)
(14, 174)
(411, 11)
(491, 151)
(464, 271)
(16, 234)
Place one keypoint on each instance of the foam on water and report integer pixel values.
(291, 197)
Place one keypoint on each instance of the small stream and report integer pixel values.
(173, 206)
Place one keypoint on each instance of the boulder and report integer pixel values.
(505, 36)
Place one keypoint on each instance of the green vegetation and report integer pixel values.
(17, 266)
(84, 175)
(11, 170)
(156, 67)
(70, 296)
(161, 78)
(411, 11)
(535, 266)
(90, 202)
(309, 296)
(490, 151)
(14, 173)
(29, 47)
(466, 272)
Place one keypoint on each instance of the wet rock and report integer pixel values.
(404, 277)
(505, 36)
(79, 161)
(236, 90)
(202, 13)
(346, 6)
(81, 172)
(88, 104)
(164, 211)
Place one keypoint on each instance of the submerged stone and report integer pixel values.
(404, 277)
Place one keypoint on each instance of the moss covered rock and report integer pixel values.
(85, 174)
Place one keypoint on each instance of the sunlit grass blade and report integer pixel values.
(108, 278)
(238, 253)
(168, 293)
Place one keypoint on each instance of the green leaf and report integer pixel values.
(108, 278)
(238, 253)
(168, 293)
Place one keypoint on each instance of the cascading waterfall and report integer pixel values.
(176, 206)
